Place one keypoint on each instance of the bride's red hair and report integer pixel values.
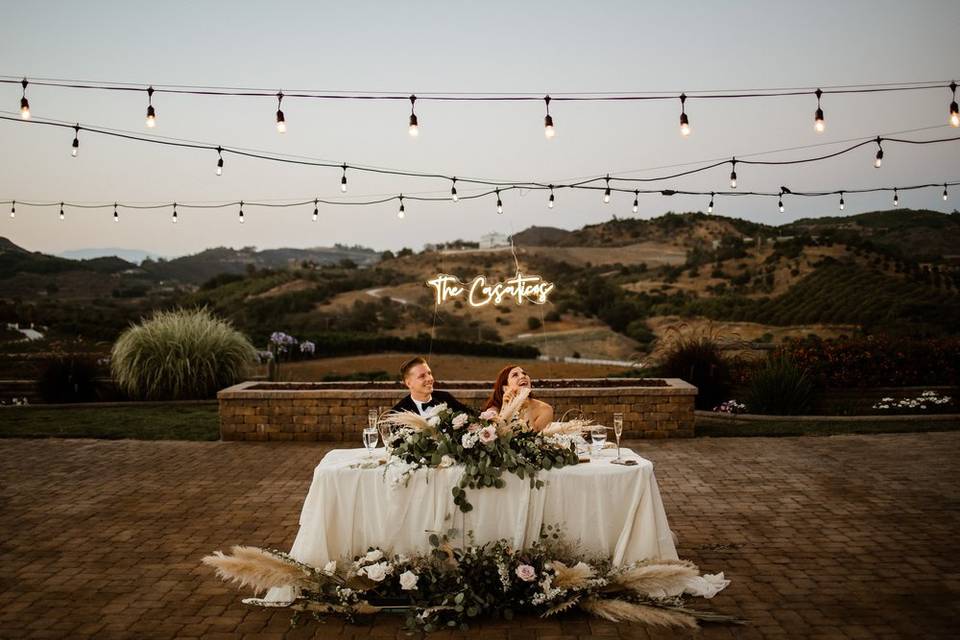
(496, 398)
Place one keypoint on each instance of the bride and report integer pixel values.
(512, 381)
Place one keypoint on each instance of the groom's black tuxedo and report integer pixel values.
(437, 397)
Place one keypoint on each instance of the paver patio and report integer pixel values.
(840, 537)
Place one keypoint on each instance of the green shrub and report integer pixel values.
(697, 359)
(178, 355)
(781, 387)
(69, 379)
(533, 323)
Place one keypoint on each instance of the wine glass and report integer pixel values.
(618, 431)
(370, 432)
(598, 436)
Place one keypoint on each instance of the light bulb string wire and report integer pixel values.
(782, 191)
(477, 181)
(575, 96)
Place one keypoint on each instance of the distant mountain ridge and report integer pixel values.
(135, 256)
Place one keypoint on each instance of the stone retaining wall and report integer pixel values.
(340, 414)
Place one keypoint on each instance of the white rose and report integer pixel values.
(408, 580)
(373, 556)
(446, 461)
(468, 440)
(434, 421)
(376, 572)
(330, 568)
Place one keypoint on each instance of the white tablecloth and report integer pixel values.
(611, 510)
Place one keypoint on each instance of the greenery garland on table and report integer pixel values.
(448, 587)
(486, 446)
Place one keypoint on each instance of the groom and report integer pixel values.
(416, 375)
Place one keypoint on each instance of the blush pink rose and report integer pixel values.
(488, 434)
(526, 573)
(489, 414)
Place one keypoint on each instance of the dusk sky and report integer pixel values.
(458, 47)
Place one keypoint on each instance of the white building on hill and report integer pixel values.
(493, 240)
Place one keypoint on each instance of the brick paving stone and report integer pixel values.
(841, 537)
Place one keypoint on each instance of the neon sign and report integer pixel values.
(521, 288)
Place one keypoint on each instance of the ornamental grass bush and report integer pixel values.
(698, 360)
(779, 386)
(180, 355)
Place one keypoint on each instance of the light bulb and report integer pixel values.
(780, 205)
(879, 159)
(954, 109)
(550, 202)
(841, 202)
(636, 201)
(13, 209)
(453, 191)
(151, 117)
(896, 198)
(116, 216)
(316, 210)
(606, 192)
(24, 103)
(499, 203)
(818, 123)
(414, 129)
(281, 121)
(61, 211)
(548, 130)
(173, 218)
(219, 166)
(733, 173)
(684, 125)
(945, 193)
(343, 180)
(402, 212)
(76, 147)
(710, 206)
(241, 212)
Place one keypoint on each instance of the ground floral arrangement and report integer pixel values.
(927, 399)
(487, 446)
(448, 587)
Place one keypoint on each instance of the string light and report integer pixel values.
(710, 206)
(499, 203)
(684, 120)
(414, 129)
(896, 198)
(76, 141)
(548, 129)
(733, 173)
(316, 209)
(281, 121)
(606, 192)
(241, 212)
(818, 124)
(402, 212)
(945, 192)
(61, 211)
(780, 201)
(173, 218)
(550, 200)
(453, 191)
(151, 112)
(636, 201)
(219, 161)
(879, 159)
(954, 109)
(13, 209)
(116, 216)
(343, 180)
(841, 201)
(24, 103)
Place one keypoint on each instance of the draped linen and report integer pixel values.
(609, 510)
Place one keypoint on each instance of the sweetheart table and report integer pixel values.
(609, 510)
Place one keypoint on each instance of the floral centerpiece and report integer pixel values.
(487, 446)
(448, 586)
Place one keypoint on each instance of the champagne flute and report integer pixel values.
(618, 431)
